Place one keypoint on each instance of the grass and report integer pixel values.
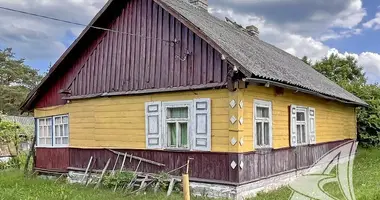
(13, 186)
(366, 178)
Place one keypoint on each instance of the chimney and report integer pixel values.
(200, 3)
(252, 30)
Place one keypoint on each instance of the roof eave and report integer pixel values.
(304, 90)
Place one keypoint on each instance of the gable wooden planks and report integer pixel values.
(158, 52)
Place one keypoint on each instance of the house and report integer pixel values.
(165, 80)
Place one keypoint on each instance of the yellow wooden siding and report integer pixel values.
(119, 122)
(334, 121)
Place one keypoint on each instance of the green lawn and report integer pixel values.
(14, 186)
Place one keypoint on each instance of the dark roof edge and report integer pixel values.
(303, 90)
(25, 105)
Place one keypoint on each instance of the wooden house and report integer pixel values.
(165, 80)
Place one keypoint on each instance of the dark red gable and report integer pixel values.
(158, 52)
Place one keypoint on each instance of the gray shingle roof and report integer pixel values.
(258, 57)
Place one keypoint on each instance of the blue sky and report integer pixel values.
(300, 27)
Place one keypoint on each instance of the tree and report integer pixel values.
(16, 80)
(306, 60)
(348, 74)
(341, 70)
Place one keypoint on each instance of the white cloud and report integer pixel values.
(373, 23)
(36, 39)
(299, 45)
(351, 16)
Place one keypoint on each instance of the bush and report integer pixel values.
(118, 179)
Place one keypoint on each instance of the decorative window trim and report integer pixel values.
(265, 104)
(53, 143)
(310, 125)
(176, 104)
(198, 122)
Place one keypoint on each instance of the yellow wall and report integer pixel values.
(119, 122)
(334, 121)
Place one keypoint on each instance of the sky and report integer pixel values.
(313, 28)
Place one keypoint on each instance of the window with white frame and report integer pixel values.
(302, 125)
(177, 125)
(182, 125)
(262, 124)
(45, 130)
(53, 131)
(61, 130)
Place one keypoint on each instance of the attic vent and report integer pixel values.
(252, 30)
(200, 3)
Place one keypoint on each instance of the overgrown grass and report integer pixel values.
(366, 178)
(13, 186)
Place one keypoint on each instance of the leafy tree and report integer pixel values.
(341, 70)
(348, 74)
(16, 80)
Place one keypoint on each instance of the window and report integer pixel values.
(45, 132)
(262, 124)
(177, 120)
(61, 130)
(302, 125)
(53, 131)
(182, 125)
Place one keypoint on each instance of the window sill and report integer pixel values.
(176, 150)
(53, 147)
(263, 150)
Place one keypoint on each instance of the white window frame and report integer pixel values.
(305, 123)
(177, 104)
(53, 134)
(263, 104)
(54, 131)
(38, 132)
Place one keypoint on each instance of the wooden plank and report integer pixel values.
(143, 45)
(184, 50)
(159, 70)
(171, 186)
(137, 158)
(175, 52)
(210, 64)
(102, 175)
(88, 167)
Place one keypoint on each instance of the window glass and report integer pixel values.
(301, 116)
(183, 134)
(262, 123)
(174, 113)
(177, 119)
(172, 135)
(266, 133)
(262, 112)
(259, 133)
